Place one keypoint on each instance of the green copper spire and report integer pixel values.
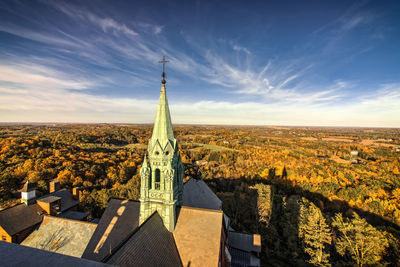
(162, 130)
(161, 186)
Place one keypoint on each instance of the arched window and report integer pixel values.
(150, 185)
(157, 179)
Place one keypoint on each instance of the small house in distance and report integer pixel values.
(17, 222)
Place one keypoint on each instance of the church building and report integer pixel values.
(172, 224)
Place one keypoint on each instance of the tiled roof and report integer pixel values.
(67, 199)
(20, 217)
(151, 245)
(17, 255)
(198, 236)
(119, 221)
(64, 236)
(196, 193)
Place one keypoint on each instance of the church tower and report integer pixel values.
(161, 187)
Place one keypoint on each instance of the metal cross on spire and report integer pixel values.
(163, 61)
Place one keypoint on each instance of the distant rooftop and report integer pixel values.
(67, 199)
(20, 217)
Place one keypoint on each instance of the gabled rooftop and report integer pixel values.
(18, 218)
(65, 236)
(67, 199)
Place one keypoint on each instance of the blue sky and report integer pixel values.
(316, 63)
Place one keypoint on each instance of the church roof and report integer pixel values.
(119, 221)
(17, 255)
(18, 218)
(162, 130)
(151, 245)
(198, 236)
(196, 193)
(65, 236)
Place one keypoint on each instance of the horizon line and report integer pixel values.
(194, 124)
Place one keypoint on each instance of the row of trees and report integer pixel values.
(299, 220)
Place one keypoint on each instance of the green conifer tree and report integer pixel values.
(315, 233)
(360, 240)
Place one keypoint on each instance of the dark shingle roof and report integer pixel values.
(151, 245)
(17, 255)
(68, 237)
(119, 221)
(196, 193)
(243, 242)
(20, 217)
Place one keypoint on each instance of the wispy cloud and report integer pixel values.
(241, 49)
(105, 23)
(387, 97)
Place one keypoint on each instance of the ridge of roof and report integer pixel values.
(67, 219)
(201, 209)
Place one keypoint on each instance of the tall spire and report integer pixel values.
(161, 186)
(163, 126)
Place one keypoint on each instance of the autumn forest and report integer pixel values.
(317, 196)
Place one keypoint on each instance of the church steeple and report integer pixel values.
(162, 130)
(161, 187)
